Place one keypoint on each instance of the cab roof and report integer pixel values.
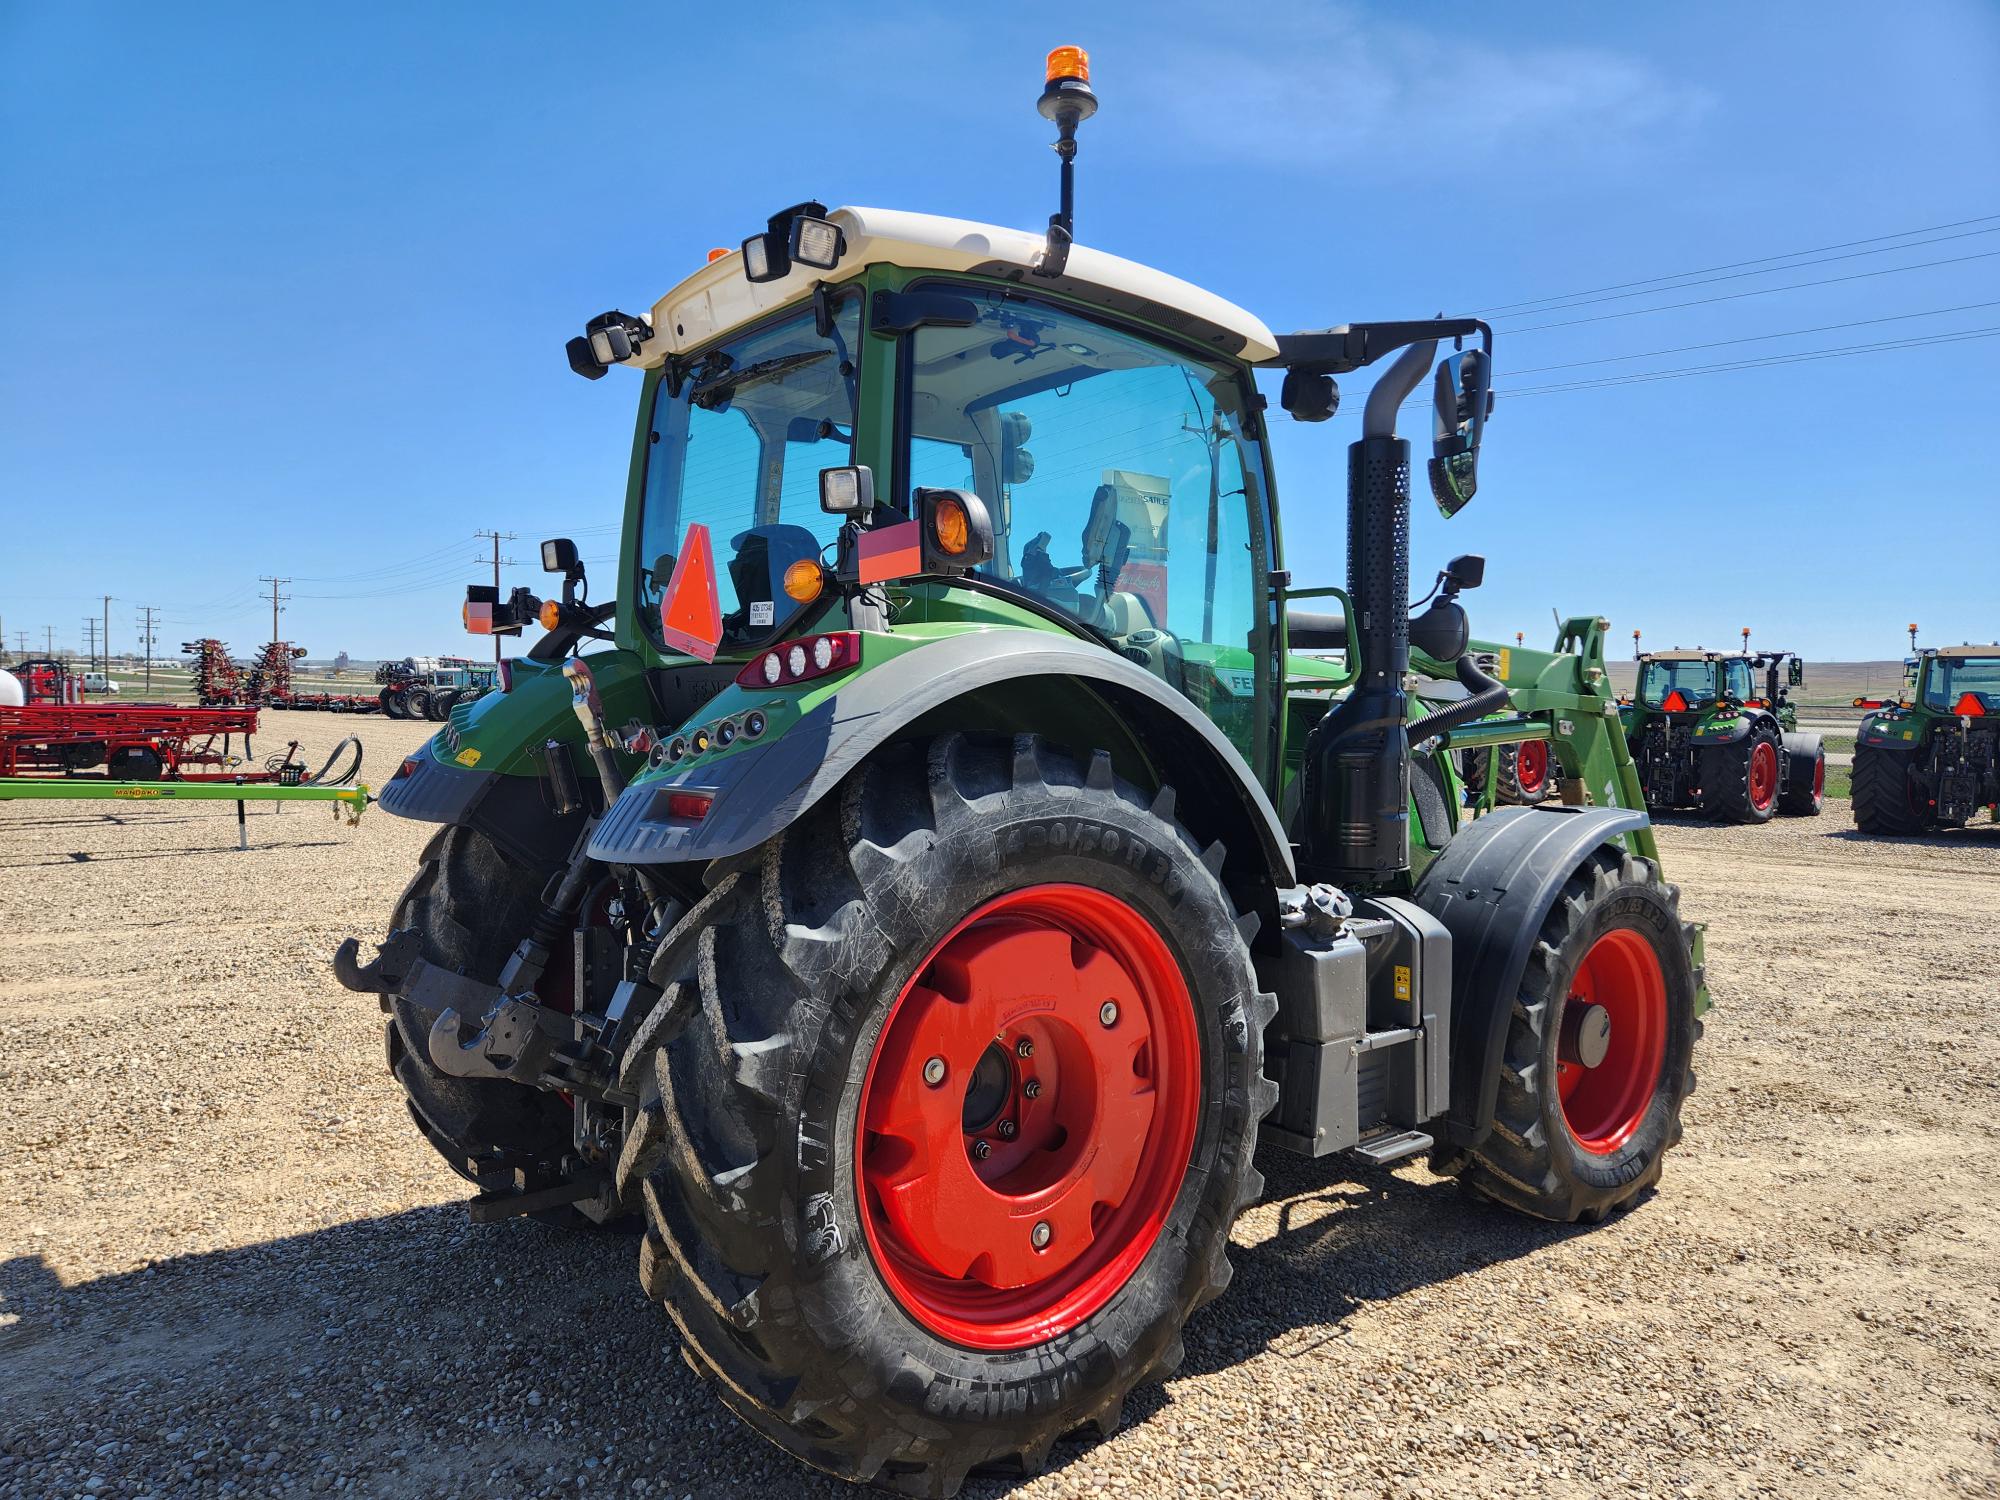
(1959, 653)
(717, 298)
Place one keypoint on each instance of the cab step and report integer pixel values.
(1381, 1150)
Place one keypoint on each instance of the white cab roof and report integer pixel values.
(717, 298)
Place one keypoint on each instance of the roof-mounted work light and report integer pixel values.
(608, 339)
(799, 235)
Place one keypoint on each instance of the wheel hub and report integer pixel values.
(1586, 1035)
(1015, 1199)
(1612, 1042)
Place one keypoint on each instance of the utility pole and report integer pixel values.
(497, 537)
(276, 600)
(104, 635)
(21, 643)
(146, 642)
(90, 640)
(49, 636)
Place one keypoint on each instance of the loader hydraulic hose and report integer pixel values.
(1488, 695)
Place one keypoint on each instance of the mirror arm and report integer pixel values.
(1337, 351)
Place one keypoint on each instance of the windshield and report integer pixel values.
(1693, 680)
(1951, 678)
(1125, 481)
(737, 439)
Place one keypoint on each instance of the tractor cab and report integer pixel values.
(1679, 682)
(1961, 680)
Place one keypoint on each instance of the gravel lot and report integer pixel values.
(229, 1266)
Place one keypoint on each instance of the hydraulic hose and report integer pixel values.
(324, 778)
(1488, 695)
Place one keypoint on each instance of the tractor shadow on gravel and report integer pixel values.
(416, 1354)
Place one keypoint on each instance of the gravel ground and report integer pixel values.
(228, 1265)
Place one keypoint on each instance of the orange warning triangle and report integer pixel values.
(690, 613)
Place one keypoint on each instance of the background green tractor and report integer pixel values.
(1707, 735)
(1932, 759)
(964, 843)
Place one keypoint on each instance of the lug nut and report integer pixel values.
(1032, 1089)
(1008, 1130)
(981, 1150)
(1107, 1013)
(934, 1072)
(1024, 1048)
(1041, 1234)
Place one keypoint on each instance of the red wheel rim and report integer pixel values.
(1008, 1249)
(1531, 766)
(1819, 777)
(1603, 1104)
(1763, 774)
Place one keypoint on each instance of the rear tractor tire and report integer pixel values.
(470, 906)
(1521, 772)
(1886, 797)
(1739, 782)
(947, 1110)
(1599, 1049)
(417, 704)
(393, 705)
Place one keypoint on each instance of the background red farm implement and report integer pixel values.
(133, 742)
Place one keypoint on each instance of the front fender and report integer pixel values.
(1492, 887)
(757, 790)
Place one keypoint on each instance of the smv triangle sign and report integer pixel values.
(690, 613)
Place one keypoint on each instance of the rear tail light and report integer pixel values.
(802, 660)
(689, 807)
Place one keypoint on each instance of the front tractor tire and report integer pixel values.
(947, 1111)
(470, 906)
(1599, 1049)
(1805, 779)
(1887, 799)
(1739, 782)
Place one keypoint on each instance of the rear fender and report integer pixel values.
(760, 788)
(1492, 887)
(483, 768)
(1895, 730)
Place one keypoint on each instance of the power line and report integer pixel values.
(1754, 338)
(1531, 303)
(497, 538)
(1767, 291)
(277, 599)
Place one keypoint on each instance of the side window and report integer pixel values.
(1125, 485)
(1737, 682)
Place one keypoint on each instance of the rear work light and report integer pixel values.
(802, 660)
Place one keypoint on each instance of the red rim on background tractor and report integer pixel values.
(1531, 766)
(1614, 1036)
(1819, 777)
(1763, 774)
(1027, 1117)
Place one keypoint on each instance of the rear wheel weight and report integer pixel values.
(1805, 783)
(1582, 1121)
(772, 1152)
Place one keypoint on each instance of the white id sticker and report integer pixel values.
(762, 611)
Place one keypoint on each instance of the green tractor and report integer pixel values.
(1706, 736)
(1931, 759)
(961, 843)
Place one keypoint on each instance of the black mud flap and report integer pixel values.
(1492, 887)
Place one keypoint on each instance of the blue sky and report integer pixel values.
(283, 289)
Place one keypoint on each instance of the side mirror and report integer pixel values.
(1795, 673)
(1466, 571)
(1463, 399)
(559, 555)
(1309, 396)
